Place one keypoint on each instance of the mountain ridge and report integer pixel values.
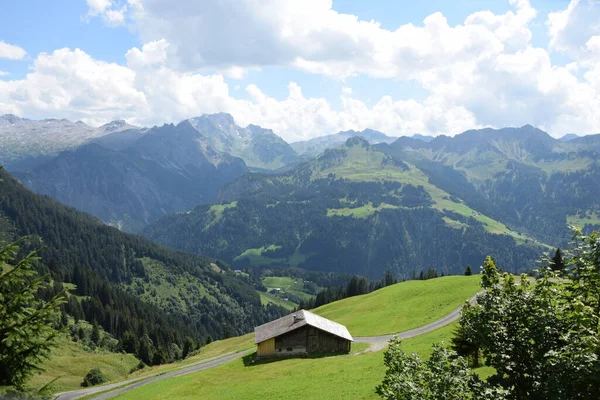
(337, 213)
(166, 169)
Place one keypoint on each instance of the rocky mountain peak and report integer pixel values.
(10, 118)
(115, 125)
(357, 141)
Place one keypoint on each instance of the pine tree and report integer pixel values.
(557, 263)
(388, 279)
(465, 346)
(188, 346)
(95, 338)
(146, 350)
(27, 332)
(468, 271)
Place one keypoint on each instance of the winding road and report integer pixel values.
(376, 343)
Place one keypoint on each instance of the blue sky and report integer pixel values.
(306, 68)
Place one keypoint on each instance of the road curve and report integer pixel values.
(377, 343)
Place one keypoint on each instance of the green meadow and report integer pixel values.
(403, 306)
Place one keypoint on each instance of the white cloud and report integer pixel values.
(572, 29)
(115, 17)
(481, 72)
(3, 73)
(71, 84)
(310, 35)
(11, 52)
(107, 10)
(97, 7)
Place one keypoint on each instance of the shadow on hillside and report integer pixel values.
(251, 360)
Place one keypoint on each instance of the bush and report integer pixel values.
(139, 366)
(93, 378)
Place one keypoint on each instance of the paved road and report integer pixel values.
(124, 386)
(377, 343)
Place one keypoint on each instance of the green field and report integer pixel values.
(403, 306)
(216, 212)
(368, 166)
(286, 285)
(256, 258)
(69, 363)
(395, 308)
(266, 298)
(358, 212)
(352, 376)
(590, 217)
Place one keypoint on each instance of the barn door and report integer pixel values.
(313, 341)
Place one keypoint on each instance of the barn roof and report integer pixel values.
(297, 320)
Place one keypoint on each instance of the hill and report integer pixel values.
(148, 297)
(129, 179)
(402, 306)
(349, 376)
(353, 209)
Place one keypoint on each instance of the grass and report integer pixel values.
(217, 213)
(286, 284)
(69, 363)
(589, 217)
(401, 307)
(349, 376)
(266, 298)
(454, 224)
(368, 165)
(283, 282)
(358, 212)
(256, 258)
(395, 308)
(352, 376)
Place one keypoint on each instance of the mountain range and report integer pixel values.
(355, 202)
(165, 169)
(353, 209)
(25, 143)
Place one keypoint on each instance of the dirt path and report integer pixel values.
(376, 343)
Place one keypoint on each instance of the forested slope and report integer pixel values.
(355, 210)
(145, 295)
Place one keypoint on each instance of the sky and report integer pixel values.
(306, 68)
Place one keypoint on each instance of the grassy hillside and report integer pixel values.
(352, 376)
(69, 363)
(401, 307)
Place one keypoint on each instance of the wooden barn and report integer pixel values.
(301, 333)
